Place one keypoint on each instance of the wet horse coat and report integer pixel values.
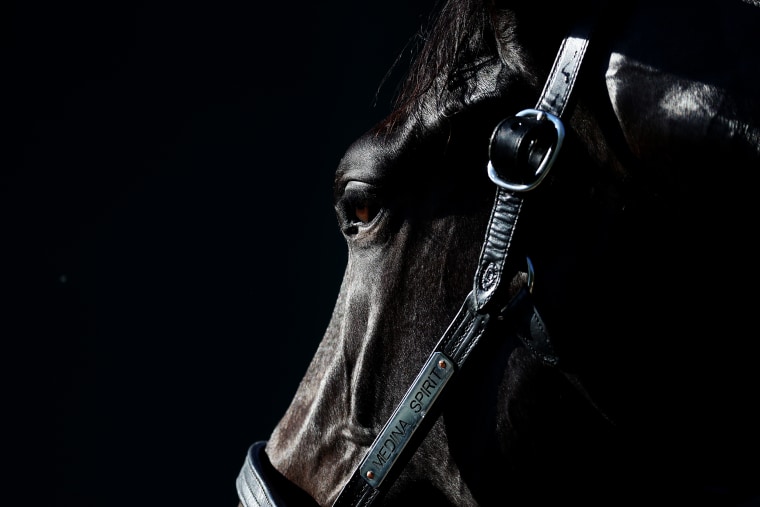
(641, 242)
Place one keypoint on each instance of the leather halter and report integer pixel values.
(523, 148)
(523, 137)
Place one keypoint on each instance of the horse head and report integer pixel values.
(636, 251)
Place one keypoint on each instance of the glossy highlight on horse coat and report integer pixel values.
(644, 269)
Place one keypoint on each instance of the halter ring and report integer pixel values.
(510, 140)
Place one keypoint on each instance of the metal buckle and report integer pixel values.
(547, 160)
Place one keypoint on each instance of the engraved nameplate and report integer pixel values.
(415, 405)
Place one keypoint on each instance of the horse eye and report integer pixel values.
(359, 205)
(365, 212)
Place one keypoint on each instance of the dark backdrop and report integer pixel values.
(170, 256)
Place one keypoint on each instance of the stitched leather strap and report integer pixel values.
(507, 205)
(259, 484)
(561, 81)
(253, 488)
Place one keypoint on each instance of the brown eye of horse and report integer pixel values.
(358, 205)
(365, 213)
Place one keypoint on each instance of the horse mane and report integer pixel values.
(455, 38)
(459, 37)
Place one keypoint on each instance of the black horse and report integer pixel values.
(556, 264)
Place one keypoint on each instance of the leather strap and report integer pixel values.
(487, 300)
(259, 484)
(561, 81)
(253, 488)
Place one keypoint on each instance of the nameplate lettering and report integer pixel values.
(416, 403)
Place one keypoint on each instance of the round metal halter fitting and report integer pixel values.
(525, 145)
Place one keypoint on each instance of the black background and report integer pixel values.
(170, 255)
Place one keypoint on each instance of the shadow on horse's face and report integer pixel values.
(639, 242)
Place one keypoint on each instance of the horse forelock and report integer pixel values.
(450, 40)
(457, 44)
